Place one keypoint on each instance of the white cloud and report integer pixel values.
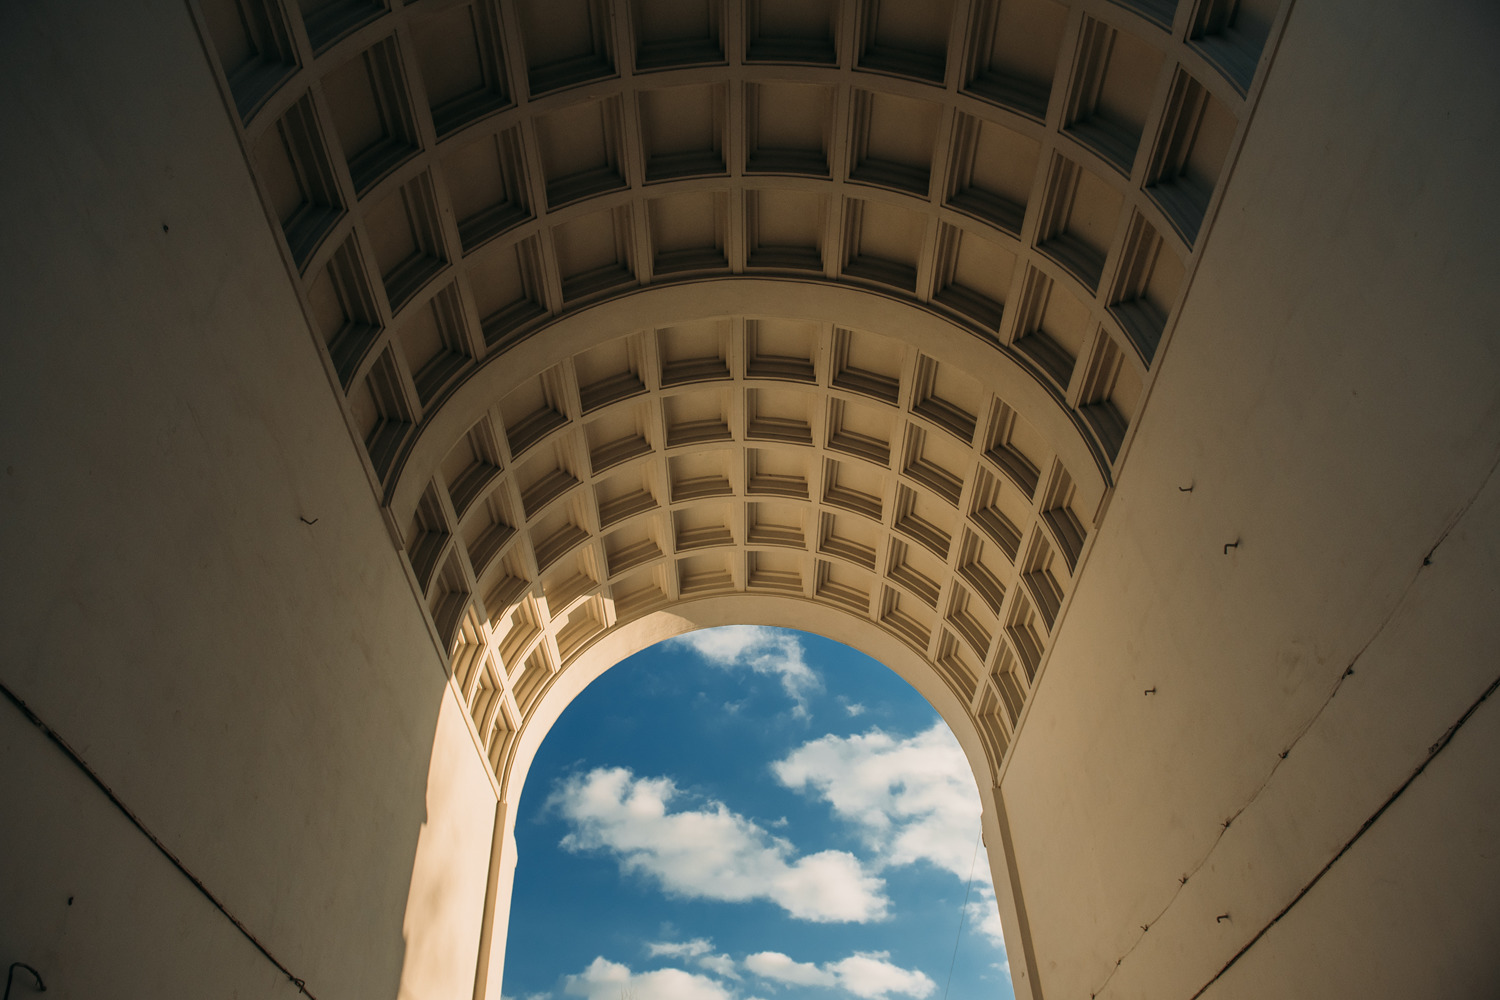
(909, 799)
(679, 949)
(763, 650)
(865, 974)
(870, 975)
(783, 969)
(699, 950)
(720, 965)
(710, 853)
(855, 709)
(984, 917)
(606, 980)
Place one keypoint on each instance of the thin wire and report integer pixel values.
(963, 913)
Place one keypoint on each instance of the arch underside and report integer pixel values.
(650, 315)
(861, 476)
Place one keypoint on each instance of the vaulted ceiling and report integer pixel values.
(852, 302)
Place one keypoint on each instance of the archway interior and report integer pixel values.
(227, 411)
(452, 184)
(678, 785)
(846, 306)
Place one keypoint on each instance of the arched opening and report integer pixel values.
(629, 638)
(840, 319)
(826, 459)
(744, 809)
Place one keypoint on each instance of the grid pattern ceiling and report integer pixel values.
(451, 178)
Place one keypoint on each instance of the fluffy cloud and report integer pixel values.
(784, 969)
(699, 950)
(984, 917)
(679, 949)
(606, 980)
(909, 799)
(760, 649)
(710, 853)
(721, 965)
(865, 974)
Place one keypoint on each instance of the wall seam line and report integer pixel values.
(135, 820)
(1454, 520)
(1432, 753)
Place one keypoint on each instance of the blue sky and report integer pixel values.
(751, 814)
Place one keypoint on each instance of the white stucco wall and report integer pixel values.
(1330, 396)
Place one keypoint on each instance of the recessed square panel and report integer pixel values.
(704, 573)
(893, 140)
(906, 37)
(790, 128)
(776, 472)
(1113, 85)
(696, 417)
(682, 131)
(774, 523)
(885, 243)
(792, 31)
(567, 42)
(486, 187)
(780, 415)
(785, 229)
(594, 252)
(1079, 219)
(1017, 46)
(405, 232)
(372, 113)
(694, 352)
(994, 169)
(676, 33)
(867, 364)
(773, 571)
(687, 232)
(702, 526)
(505, 279)
(461, 58)
(579, 148)
(701, 474)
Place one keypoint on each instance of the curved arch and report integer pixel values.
(668, 305)
(641, 633)
(921, 505)
(620, 643)
(755, 325)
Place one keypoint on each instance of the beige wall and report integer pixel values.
(263, 693)
(1330, 397)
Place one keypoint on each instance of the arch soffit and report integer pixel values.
(641, 633)
(1056, 199)
(904, 323)
(918, 527)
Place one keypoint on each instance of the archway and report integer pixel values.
(641, 633)
(838, 316)
(256, 318)
(925, 521)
